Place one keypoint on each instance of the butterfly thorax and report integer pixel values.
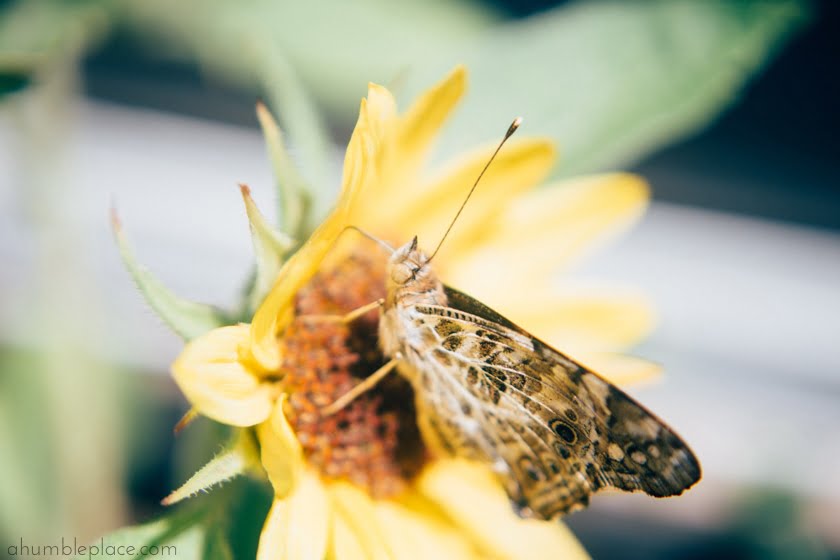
(411, 282)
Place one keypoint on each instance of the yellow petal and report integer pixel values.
(591, 320)
(356, 531)
(597, 323)
(417, 529)
(296, 527)
(423, 120)
(620, 369)
(473, 498)
(428, 209)
(382, 112)
(277, 309)
(406, 144)
(549, 227)
(281, 452)
(345, 543)
(217, 383)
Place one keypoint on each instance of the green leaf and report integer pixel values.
(187, 318)
(270, 247)
(614, 81)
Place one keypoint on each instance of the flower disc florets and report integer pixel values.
(373, 442)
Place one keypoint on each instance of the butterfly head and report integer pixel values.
(407, 264)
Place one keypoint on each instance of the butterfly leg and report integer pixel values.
(361, 388)
(348, 317)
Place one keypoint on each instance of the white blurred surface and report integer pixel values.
(750, 310)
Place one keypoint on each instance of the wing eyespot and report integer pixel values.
(563, 430)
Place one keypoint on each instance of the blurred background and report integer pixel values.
(729, 109)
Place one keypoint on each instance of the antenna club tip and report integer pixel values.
(513, 126)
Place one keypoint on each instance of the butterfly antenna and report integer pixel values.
(372, 237)
(514, 125)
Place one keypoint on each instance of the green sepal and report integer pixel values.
(240, 456)
(187, 318)
(270, 249)
(293, 191)
(301, 119)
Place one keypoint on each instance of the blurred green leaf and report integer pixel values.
(216, 547)
(188, 319)
(335, 46)
(34, 35)
(610, 80)
(134, 537)
(613, 81)
(221, 525)
(11, 82)
(27, 484)
(771, 524)
(64, 398)
(335, 57)
(191, 534)
(247, 516)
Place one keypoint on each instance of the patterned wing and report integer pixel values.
(553, 431)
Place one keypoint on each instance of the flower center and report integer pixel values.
(373, 442)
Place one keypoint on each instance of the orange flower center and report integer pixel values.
(374, 441)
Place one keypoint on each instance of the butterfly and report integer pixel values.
(553, 431)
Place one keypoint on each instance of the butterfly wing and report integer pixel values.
(553, 431)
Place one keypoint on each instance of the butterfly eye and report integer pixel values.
(401, 273)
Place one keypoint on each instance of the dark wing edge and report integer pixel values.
(644, 454)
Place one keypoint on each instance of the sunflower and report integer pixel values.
(361, 483)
